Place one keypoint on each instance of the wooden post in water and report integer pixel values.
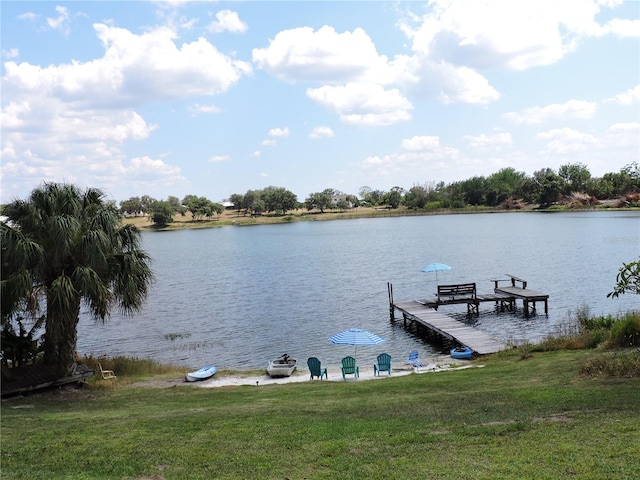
(391, 307)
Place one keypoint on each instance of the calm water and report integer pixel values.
(238, 296)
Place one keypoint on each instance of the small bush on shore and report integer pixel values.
(626, 331)
(623, 363)
(606, 332)
(586, 331)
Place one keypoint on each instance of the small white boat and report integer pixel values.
(282, 366)
(202, 374)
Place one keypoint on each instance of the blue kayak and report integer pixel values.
(202, 374)
(462, 353)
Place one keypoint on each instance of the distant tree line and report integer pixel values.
(506, 188)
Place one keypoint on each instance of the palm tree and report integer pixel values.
(62, 248)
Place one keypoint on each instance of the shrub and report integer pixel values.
(626, 331)
(584, 331)
(597, 323)
(625, 363)
(433, 205)
(525, 351)
(127, 366)
(576, 340)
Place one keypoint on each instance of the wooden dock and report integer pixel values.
(518, 290)
(425, 312)
(448, 327)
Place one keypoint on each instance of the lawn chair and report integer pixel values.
(414, 361)
(107, 374)
(383, 365)
(315, 367)
(349, 367)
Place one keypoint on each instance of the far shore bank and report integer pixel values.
(233, 218)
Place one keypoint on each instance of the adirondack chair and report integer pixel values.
(315, 367)
(106, 374)
(383, 365)
(349, 367)
(414, 361)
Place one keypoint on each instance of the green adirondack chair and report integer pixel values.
(315, 367)
(383, 365)
(349, 367)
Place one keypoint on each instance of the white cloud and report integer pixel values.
(628, 97)
(219, 158)
(255, 154)
(420, 143)
(363, 104)
(269, 143)
(227, 21)
(424, 159)
(561, 146)
(279, 132)
(321, 132)
(489, 142)
(623, 28)
(624, 136)
(572, 109)
(29, 16)
(197, 108)
(323, 56)
(134, 69)
(506, 34)
(11, 53)
(143, 166)
(564, 141)
(450, 84)
(71, 121)
(61, 22)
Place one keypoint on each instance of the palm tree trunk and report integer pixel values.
(61, 338)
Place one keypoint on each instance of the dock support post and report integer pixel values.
(391, 305)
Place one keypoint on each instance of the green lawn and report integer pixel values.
(534, 419)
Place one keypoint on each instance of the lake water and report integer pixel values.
(239, 296)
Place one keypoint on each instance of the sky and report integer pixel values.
(212, 98)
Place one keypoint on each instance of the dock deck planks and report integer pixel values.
(446, 326)
(526, 295)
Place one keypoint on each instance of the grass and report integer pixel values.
(514, 418)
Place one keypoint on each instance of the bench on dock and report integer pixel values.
(459, 293)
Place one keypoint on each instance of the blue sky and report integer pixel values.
(214, 98)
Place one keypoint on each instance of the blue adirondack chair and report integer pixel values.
(315, 367)
(383, 365)
(349, 367)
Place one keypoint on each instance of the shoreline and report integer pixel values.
(442, 363)
(231, 218)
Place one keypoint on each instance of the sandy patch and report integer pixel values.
(224, 379)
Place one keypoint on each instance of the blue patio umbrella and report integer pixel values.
(436, 267)
(356, 337)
